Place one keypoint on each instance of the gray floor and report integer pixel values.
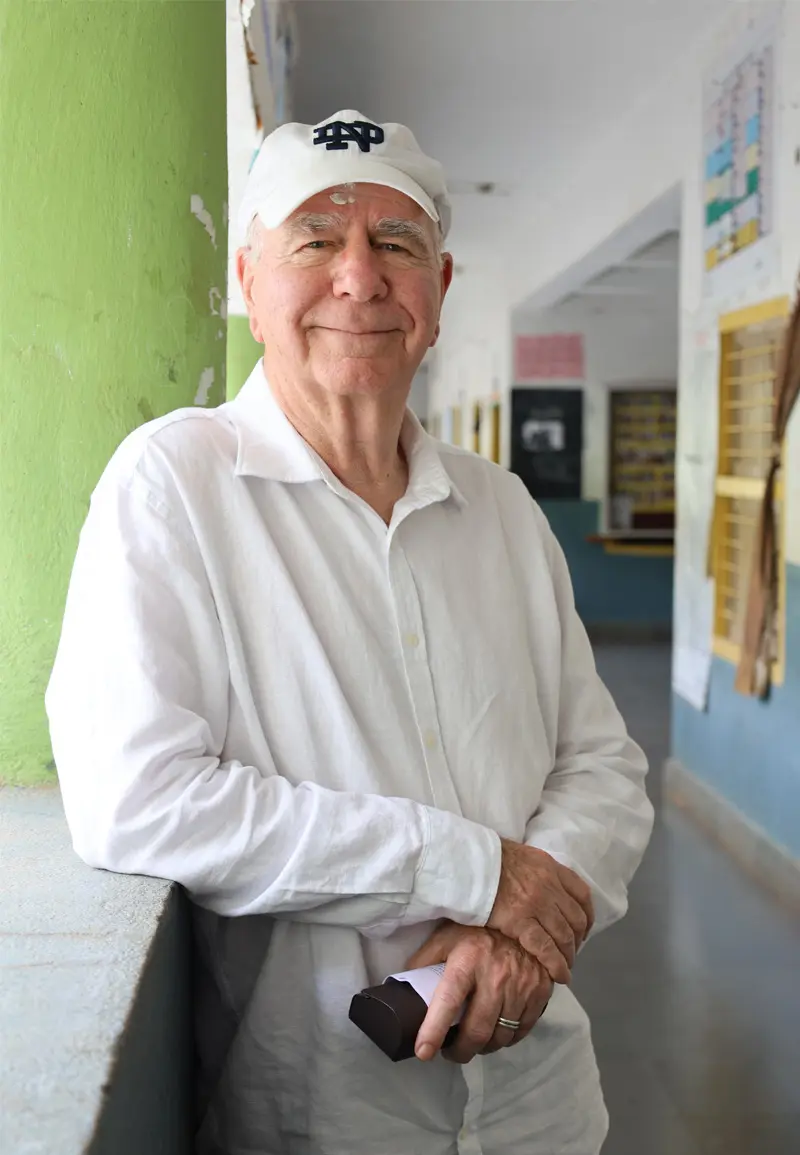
(695, 996)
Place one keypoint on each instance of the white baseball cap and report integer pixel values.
(298, 160)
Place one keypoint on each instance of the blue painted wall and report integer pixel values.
(610, 589)
(749, 751)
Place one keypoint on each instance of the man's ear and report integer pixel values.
(447, 273)
(447, 279)
(246, 274)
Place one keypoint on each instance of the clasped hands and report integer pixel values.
(541, 915)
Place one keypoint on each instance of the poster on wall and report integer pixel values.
(738, 160)
(547, 441)
(548, 357)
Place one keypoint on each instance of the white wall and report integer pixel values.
(471, 361)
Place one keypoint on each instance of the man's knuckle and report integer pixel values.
(484, 946)
(537, 934)
(532, 986)
(532, 943)
(468, 958)
(502, 969)
(460, 970)
(549, 949)
(450, 1000)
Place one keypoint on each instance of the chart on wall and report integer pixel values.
(738, 150)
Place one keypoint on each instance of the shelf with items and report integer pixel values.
(641, 491)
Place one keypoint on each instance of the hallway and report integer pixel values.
(694, 996)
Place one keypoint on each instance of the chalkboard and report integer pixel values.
(547, 441)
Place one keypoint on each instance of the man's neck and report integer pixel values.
(357, 437)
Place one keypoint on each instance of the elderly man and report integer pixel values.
(327, 674)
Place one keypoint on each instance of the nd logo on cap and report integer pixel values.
(338, 133)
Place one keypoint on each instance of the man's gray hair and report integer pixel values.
(253, 241)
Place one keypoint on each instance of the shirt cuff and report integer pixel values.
(458, 872)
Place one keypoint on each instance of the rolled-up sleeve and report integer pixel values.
(138, 711)
(594, 815)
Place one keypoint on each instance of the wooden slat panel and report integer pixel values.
(768, 349)
(742, 487)
(763, 377)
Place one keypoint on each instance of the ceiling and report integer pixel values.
(501, 91)
(646, 281)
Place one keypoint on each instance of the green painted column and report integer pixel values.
(243, 353)
(113, 242)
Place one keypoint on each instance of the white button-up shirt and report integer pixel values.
(321, 725)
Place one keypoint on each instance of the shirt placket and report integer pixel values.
(414, 648)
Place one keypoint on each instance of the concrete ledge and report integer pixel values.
(756, 853)
(95, 998)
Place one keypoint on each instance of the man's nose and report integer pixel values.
(358, 272)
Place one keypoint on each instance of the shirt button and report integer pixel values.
(412, 641)
(431, 741)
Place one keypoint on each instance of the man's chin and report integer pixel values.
(363, 376)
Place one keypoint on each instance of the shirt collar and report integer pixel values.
(269, 447)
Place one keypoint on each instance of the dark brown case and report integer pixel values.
(391, 1016)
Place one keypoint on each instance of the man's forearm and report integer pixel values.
(597, 821)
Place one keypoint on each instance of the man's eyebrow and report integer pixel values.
(316, 222)
(402, 228)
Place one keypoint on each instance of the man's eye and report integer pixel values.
(392, 247)
(316, 244)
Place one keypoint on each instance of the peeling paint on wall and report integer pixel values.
(217, 303)
(247, 11)
(204, 216)
(204, 386)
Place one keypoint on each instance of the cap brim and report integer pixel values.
(275, 207)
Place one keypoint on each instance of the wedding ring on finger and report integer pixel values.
(509, 1024)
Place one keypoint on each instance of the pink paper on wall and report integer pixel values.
(549, 357)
